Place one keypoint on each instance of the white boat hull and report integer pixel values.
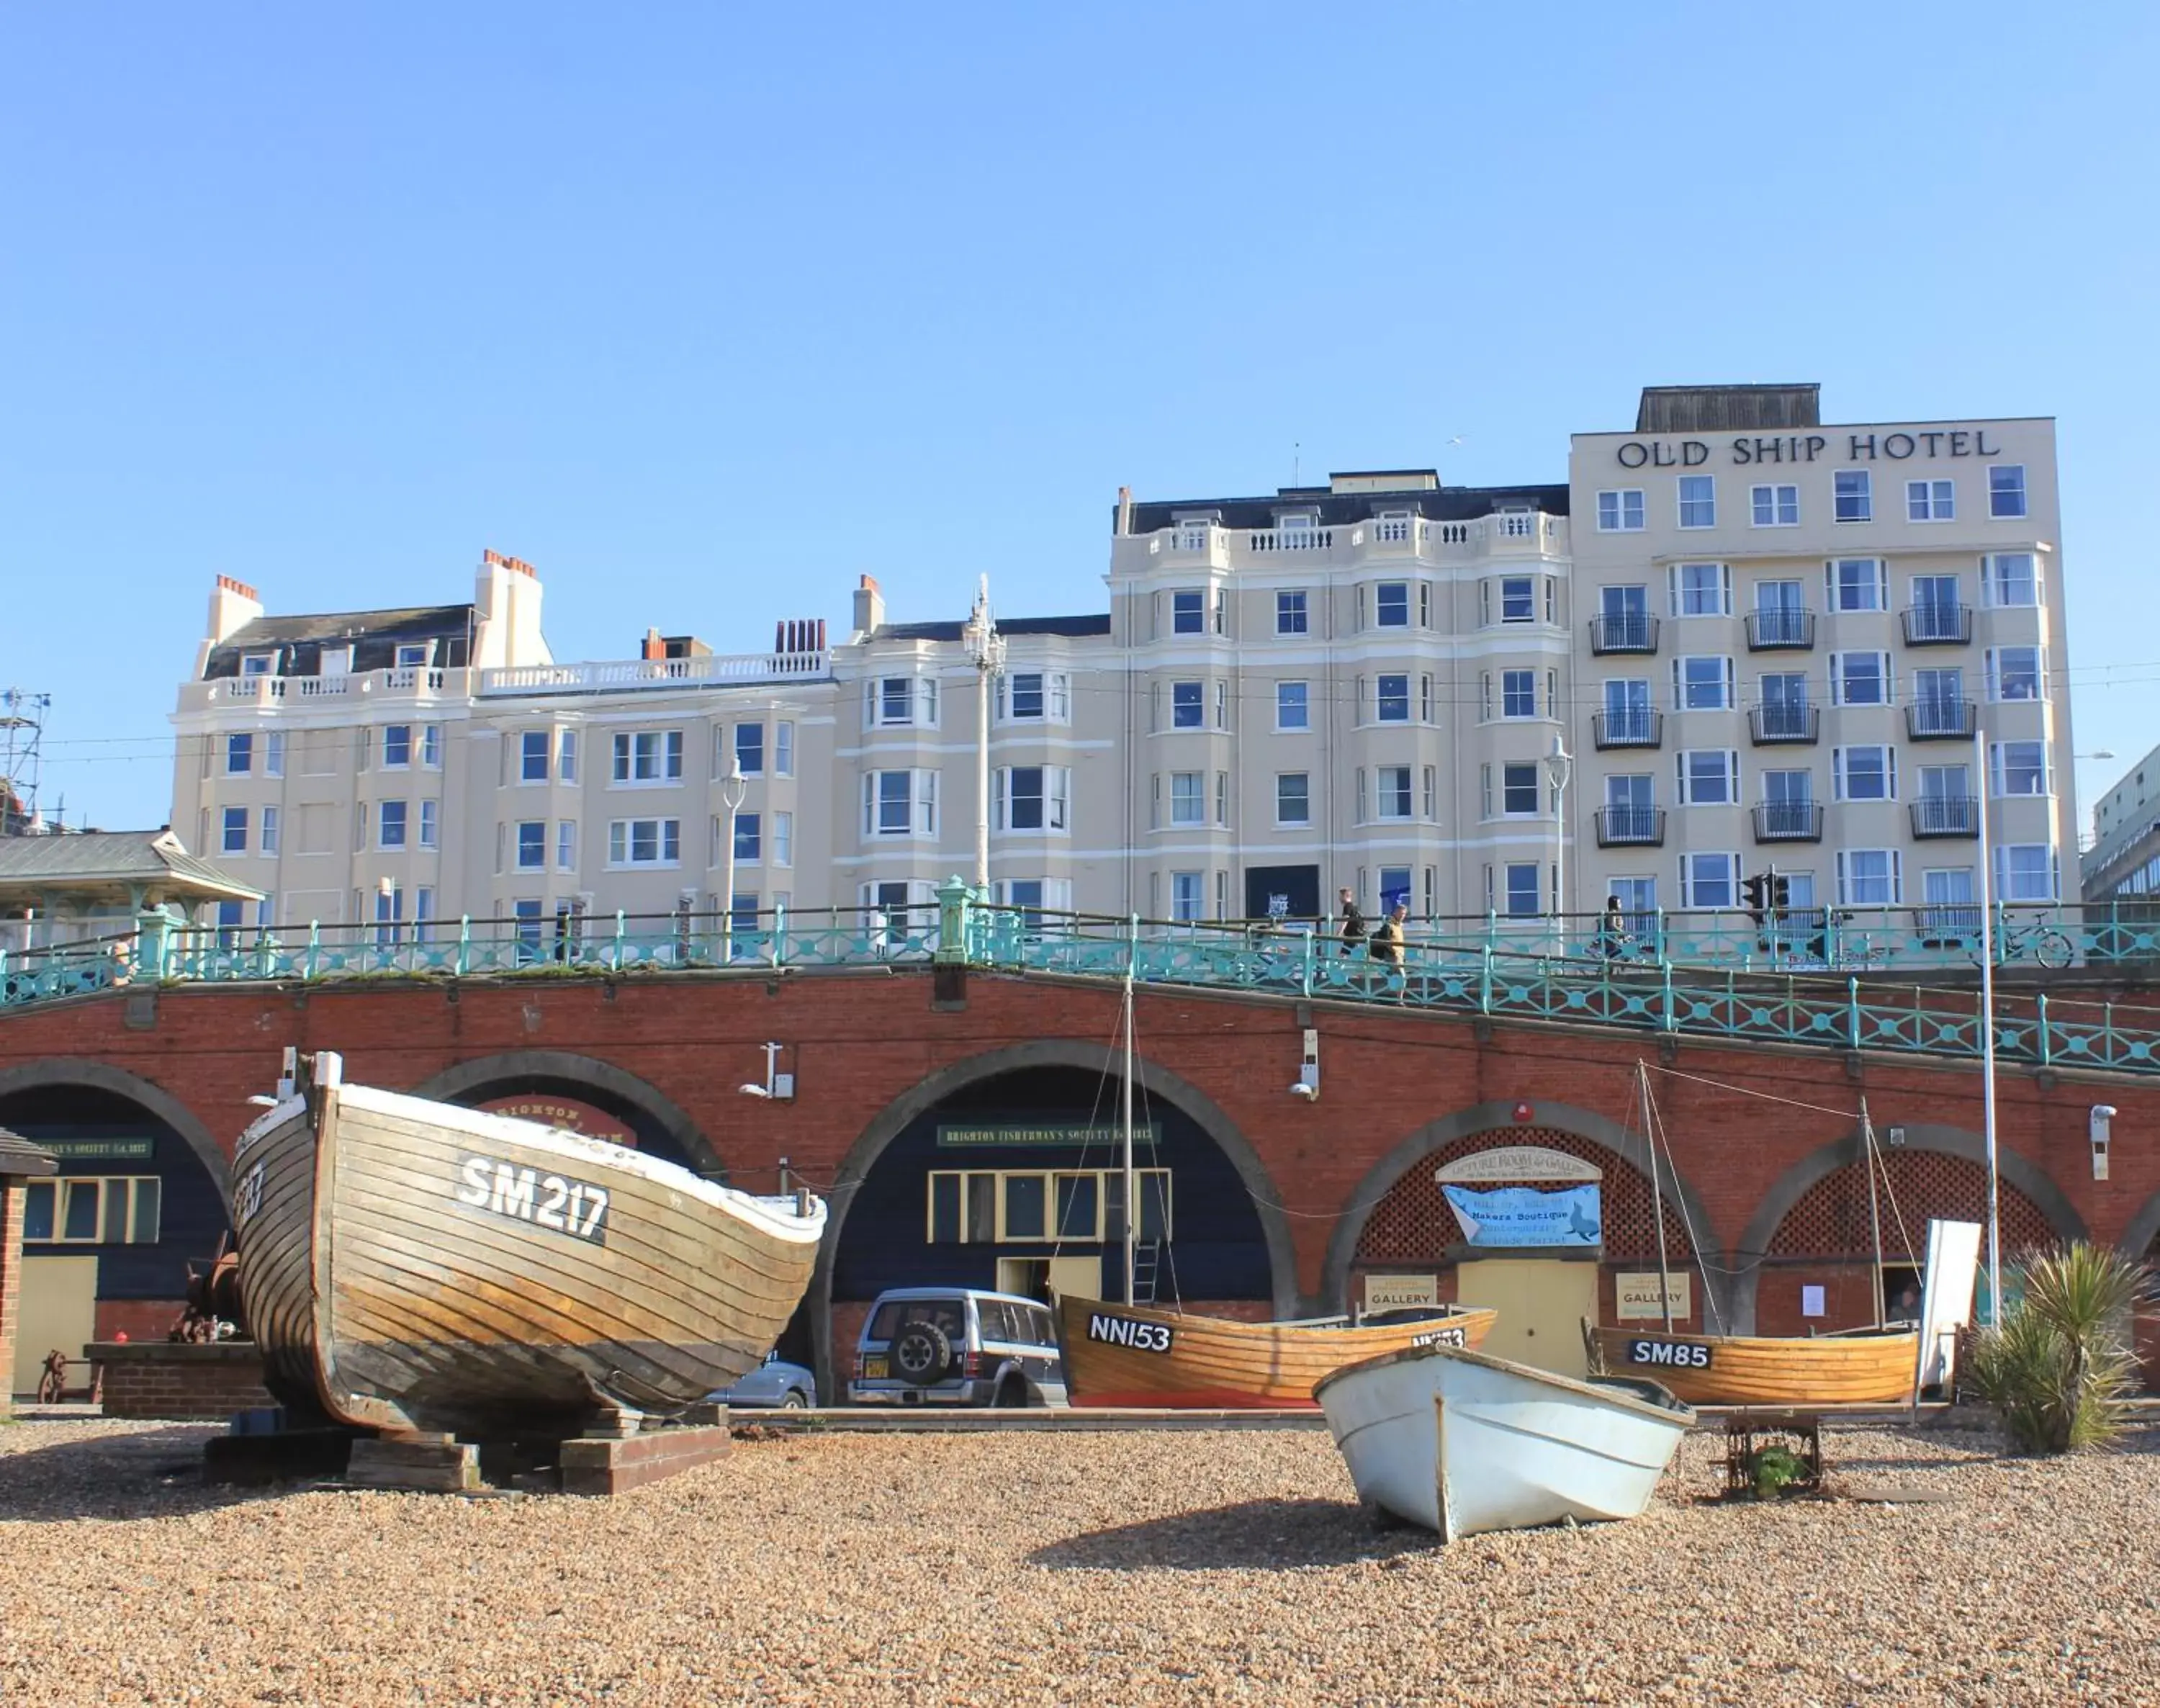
(1461, 1442)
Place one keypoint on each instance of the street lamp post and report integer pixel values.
(1559, 767)
(986, 647)
(733, 787)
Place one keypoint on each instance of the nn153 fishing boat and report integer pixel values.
(1147, 1355)
(1461, 1442)
(412, 1265)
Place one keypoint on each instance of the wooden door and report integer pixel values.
(1541, 1301)
(59, 1309)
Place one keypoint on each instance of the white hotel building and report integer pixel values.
(1762, 641)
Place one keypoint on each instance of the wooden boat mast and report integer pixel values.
(1132, 1195)
(1874, 1205)
(1657, 1199)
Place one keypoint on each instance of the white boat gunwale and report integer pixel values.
(1590, 1390)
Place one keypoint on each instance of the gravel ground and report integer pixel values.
(1117, 1569)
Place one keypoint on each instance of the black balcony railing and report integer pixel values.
(1788, 821)
(1631, 826)
(1938, 624)
(1945, 815)
(1783, 721)
(1940, 719)
(1780, 630)
(1623, 631)
(1636, 726)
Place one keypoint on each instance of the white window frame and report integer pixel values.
(232, 831)
(266, 839)
(1304, 699)
(920, 802)
(1689, 900)
(1998, 771)
(1385, 797)
(1858, 498)
(2005, 891)
(1508, 693)
(1684, 776)
(1054, 801)
(623, 837)
(1996, 510)
(1779, 499)
(1188, 798)
(1841, 771)
(1991, 581)
(1304, 797)
(1703, 506)
(1381, 697)
(1848, 881)
(1834, 582)
(1625, 510)
(1884, 664)
(527, 756)
(1293, 619)
(1994, 665)
(1500, 799)
(518, 863)
(1931, 500)
(1680, 663)
(566, 844)
(1677, 590)
(646, 758)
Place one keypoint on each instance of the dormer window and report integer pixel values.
(1297, 525)
(413, 654)
(336, 661)
(258, 664)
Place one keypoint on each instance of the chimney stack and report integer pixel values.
(869, 608)
(233, 605)
(1125, 511)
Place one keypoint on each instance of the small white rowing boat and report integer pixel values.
(1461, 1442)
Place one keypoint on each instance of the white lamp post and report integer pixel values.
(733, 787)
(986, 647)
(1559, 767)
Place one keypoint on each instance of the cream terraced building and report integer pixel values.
(1768, 656)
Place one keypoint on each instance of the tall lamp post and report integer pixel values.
(986, 647)
(733, 787)
(1559, 767)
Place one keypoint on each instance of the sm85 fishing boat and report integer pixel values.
(412, 1265)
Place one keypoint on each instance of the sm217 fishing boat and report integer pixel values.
(410, 1265)
(1461, 1442)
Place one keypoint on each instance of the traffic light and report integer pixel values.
(1781, 894)
(1757, 891)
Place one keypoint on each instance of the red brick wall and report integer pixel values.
(857, 1042)
(181, 1383)
(13, 1197)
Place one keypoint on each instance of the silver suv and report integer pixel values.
(957, 1346)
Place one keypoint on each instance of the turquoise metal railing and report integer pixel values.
(1708, 975)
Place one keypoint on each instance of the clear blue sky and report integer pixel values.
(706, 311)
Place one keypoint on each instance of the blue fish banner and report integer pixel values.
(1524, 1216)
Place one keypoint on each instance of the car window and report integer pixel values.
(1045, 1330)
(948, 1314)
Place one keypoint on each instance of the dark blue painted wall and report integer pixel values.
(191, 1215)
(1217, 1250)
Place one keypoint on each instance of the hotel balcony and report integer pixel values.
(627, 675)
(1940, 720)
(421, 684)
(1780, 630)
(1639, 726)
(1780, 725)
(1938, 624)
(1945, 815)
(1623, 631)
(1409, 540)
(1631, 826)
(1788, 821)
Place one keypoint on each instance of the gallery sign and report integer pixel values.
(1518, 1162)
(1401, 1292)
(1637, 1298)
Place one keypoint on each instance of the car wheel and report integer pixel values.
(1012, 1393)
(922, 1353)
(794, 1400)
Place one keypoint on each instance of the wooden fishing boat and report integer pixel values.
(1872, 1366)
(411, 1265)
(1146, 1355)
(1461, 1442)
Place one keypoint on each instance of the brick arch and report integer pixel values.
(1580, 1132)
(1813, 1187)
(1157, 1081)
(147, 1094)
(2140, 1240)
(516, 1069)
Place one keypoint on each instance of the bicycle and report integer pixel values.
(2052, 948)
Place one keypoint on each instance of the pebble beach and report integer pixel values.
(1121, 1568)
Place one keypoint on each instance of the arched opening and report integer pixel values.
(585, 1094)
(107, 1241)
(1006, 1173)
(1817, 1270)
(1571, 1232)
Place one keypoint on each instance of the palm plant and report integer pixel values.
(2056, 1368)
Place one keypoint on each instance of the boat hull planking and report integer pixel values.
(1713, 1369)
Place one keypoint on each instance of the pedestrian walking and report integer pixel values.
(1354, 923)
